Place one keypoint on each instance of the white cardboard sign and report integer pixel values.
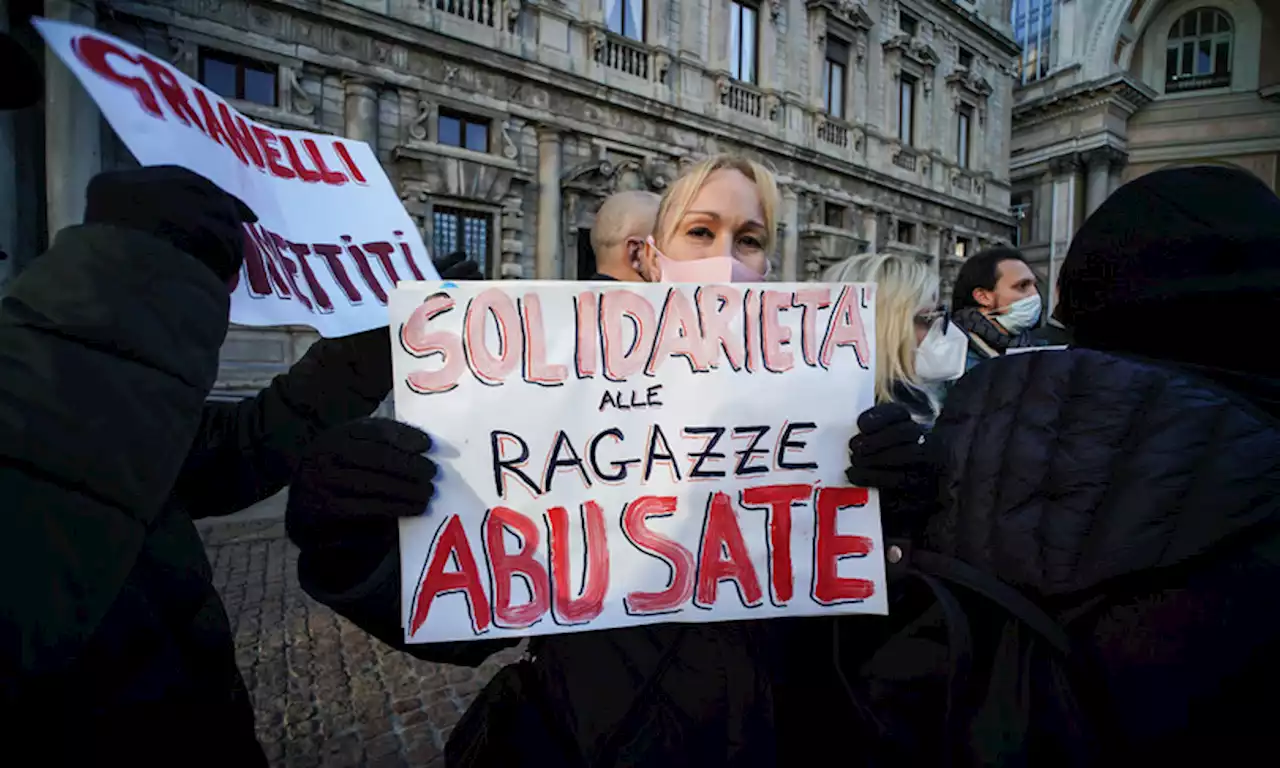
(616, 454)
(332, 237)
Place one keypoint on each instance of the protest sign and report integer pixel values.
(620, 454)
(332, 236)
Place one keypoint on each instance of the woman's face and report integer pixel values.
(725, 218)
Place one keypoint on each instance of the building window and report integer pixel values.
(459, 130)
(962, 248)
(906, 110)
(907, 24)
(625, 17)
(906, 233)
(743, 37)
(455, 229)
(966, 58)
(236, 77)
(1199, 52)
(964, 123)
(834, 68)
(1032, 22)
(1020, 207)
(833, 215)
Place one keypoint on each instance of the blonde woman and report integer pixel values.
(656, 695)
(917, 350)
(716, 224)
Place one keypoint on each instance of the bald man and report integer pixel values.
(623, 222)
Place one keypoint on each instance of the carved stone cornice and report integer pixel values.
(1108, 157)
(1065, 165)
(969, 82)
(914, 49)
(850, 12)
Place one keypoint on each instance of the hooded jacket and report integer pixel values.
(113, 641)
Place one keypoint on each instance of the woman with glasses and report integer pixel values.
(918, 351)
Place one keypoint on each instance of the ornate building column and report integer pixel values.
(547, 264)
(360, 110)
(72, 127)
(871, 229)
(790, 235)
(1097, 164)
(1065, 216)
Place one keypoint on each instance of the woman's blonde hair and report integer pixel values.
(904, 284)
(679, 196)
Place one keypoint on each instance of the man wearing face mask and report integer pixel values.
(996, 303)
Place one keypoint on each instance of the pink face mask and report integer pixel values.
(714, 269)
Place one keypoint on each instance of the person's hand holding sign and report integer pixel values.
(177, 206)
(890, 453)
(349, 493)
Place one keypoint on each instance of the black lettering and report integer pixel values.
(785, 443)
(607, 400)
(708, 451)
(651, 395)
(513, 466)
(620, 466)
(555, 463)
(652, 454)
(745, 455)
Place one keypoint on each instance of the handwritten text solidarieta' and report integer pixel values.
(622, 454)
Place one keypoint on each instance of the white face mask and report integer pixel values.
(1022, 315)
(943, 353)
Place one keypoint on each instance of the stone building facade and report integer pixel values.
(1110, 90)
(505, 123)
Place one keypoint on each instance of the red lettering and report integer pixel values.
(419, 340)
(844, 329)
(93, 52)
(830, 547)
(330, 254)
(677, 558)
(327, 175)
(504, 566)
(451, 544)
(341, 150)
(242, 142)
(718, 305)
(301, 251)
(678, 335)
(172, 92)
(622, 358)
(721, 535)
(774, 335)
(778, 499)
(267, 140)
(588, 326)
(262, 248)
(536, 368)
(278, 248)
(365, 270)
(567, 609)
(308, 175)
(255, 265)
(490, 369)
(408, 256)
(382, 251)
(214, 127)
(810, 300)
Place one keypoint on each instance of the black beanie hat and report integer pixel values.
(21, 84)
(1177, 265)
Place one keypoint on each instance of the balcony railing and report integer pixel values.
(833, 133)
(1179, 84)
(478, 11)
(741, 98)
(627, 56)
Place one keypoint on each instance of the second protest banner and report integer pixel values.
(614, 455)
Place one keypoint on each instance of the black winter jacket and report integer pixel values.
(1142, 498)
(113, 641)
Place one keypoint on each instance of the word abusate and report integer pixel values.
(620, 334)
(722, 556)
(160, 93)
(704, 453)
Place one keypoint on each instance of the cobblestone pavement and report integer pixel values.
(326, 694)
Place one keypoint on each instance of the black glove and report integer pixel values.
(350, 489)
(456, 266)
(889, 446)
(177, 206)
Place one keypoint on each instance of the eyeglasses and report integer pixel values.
(928, 318)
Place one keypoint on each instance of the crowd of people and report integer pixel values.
(1080, 517)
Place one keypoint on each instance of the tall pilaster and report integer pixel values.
(790, 235)
(547, 259)
(360, 111)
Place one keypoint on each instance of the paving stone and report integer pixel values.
(326, 694)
